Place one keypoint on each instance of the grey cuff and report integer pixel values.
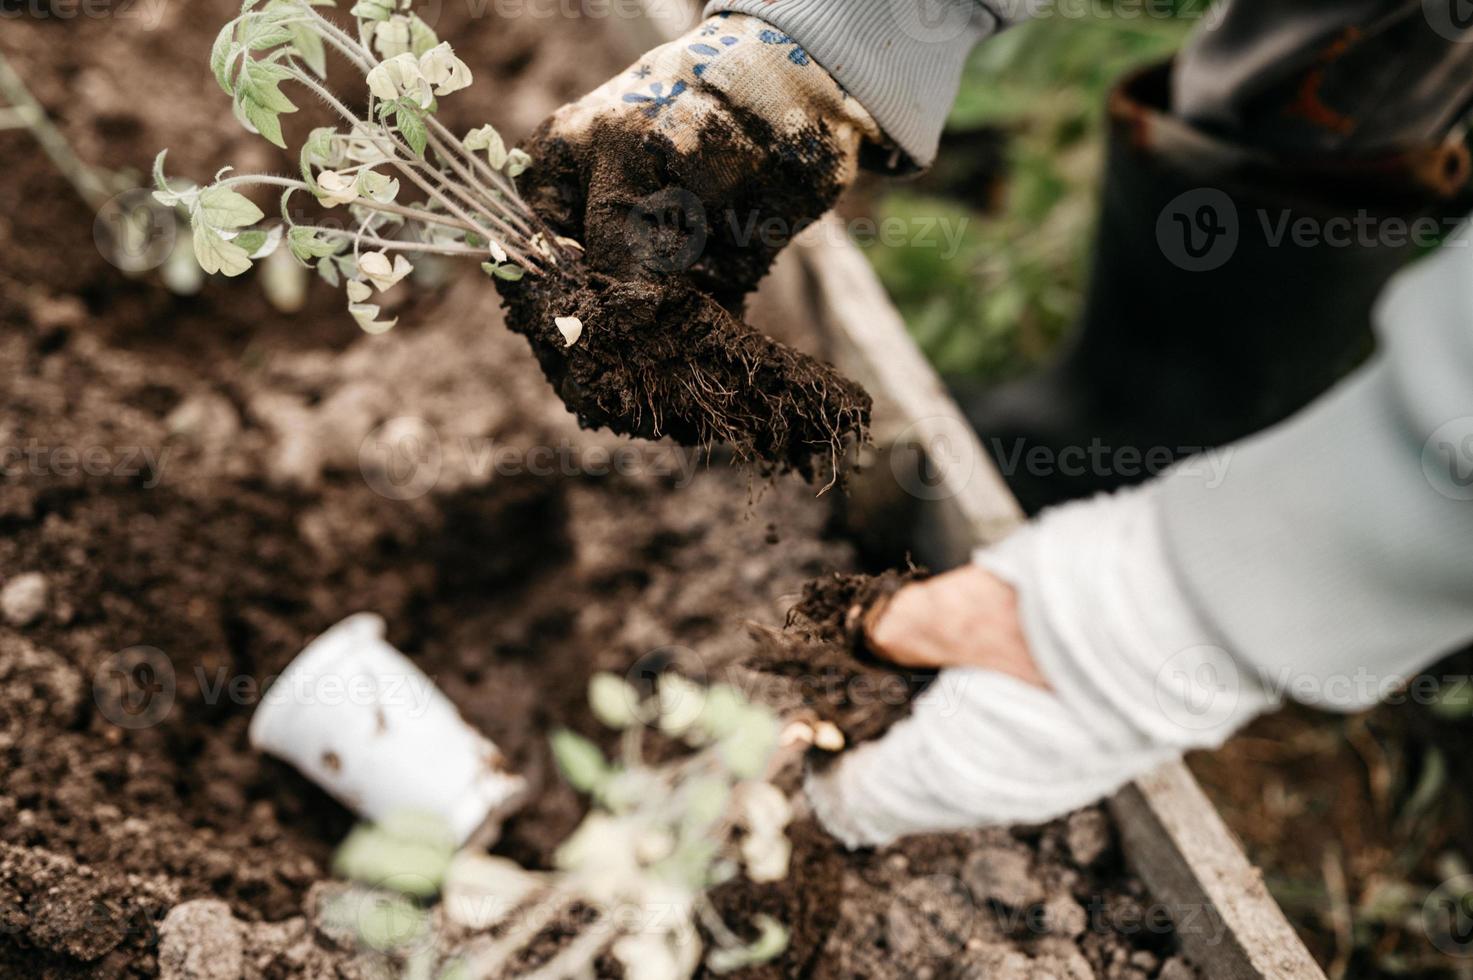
(902, 59)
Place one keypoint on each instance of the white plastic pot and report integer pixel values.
(364, 723)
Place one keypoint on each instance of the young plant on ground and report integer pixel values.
(659, 838)
(633, 880)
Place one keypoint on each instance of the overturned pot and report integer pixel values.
(360, 720)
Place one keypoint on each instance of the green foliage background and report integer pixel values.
(1001, 304)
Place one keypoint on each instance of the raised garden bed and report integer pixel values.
(232, 514)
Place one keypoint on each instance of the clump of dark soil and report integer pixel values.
(673, 244)
(659, 358)
(819, 659)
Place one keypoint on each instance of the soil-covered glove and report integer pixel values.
(1129, 677)
(706, 157)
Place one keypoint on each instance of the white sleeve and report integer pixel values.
(1137, 678)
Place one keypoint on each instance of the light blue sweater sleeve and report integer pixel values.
(902, 59)
(1336, 555)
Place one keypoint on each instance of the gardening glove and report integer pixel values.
(705, 158)
(1123, 677)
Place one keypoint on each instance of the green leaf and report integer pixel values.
(262, 83)
(264, 120)
(251, 241)
(412, 128)
(309, 45)
(373, 9)
(327, 268)
(306, 246)
(613, 700)
(262, 31)
(517, 163)
(225, 210)
(215, 254)
(316, 152)
(158, 172)
(222, 55)
(406, 852)
(165, 194)
(509, 273)
(581, 762)
(422, 37)
(748, 747)
(772, 939)
(488, 139)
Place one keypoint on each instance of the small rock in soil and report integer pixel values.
(23, 599)
(1005, 875)
(1177, 968)
(201, 940)
(1065, 917)
(207, 420)
(1088, 835)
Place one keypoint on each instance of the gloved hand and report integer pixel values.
(706, 157)
(1074, 663)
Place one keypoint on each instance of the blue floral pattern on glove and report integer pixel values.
(797, 56)
(657, 101)
(707, 51)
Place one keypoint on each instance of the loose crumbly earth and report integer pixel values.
(243, 480)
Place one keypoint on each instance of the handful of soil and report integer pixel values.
(658, 358)
(821, 657)
(660, 287)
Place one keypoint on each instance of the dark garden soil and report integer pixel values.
(195, 487)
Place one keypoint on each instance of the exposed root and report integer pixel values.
(659, 358)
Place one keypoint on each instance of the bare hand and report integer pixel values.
(965, 618)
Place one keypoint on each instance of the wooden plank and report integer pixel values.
(930, 456)
(1186, 856)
